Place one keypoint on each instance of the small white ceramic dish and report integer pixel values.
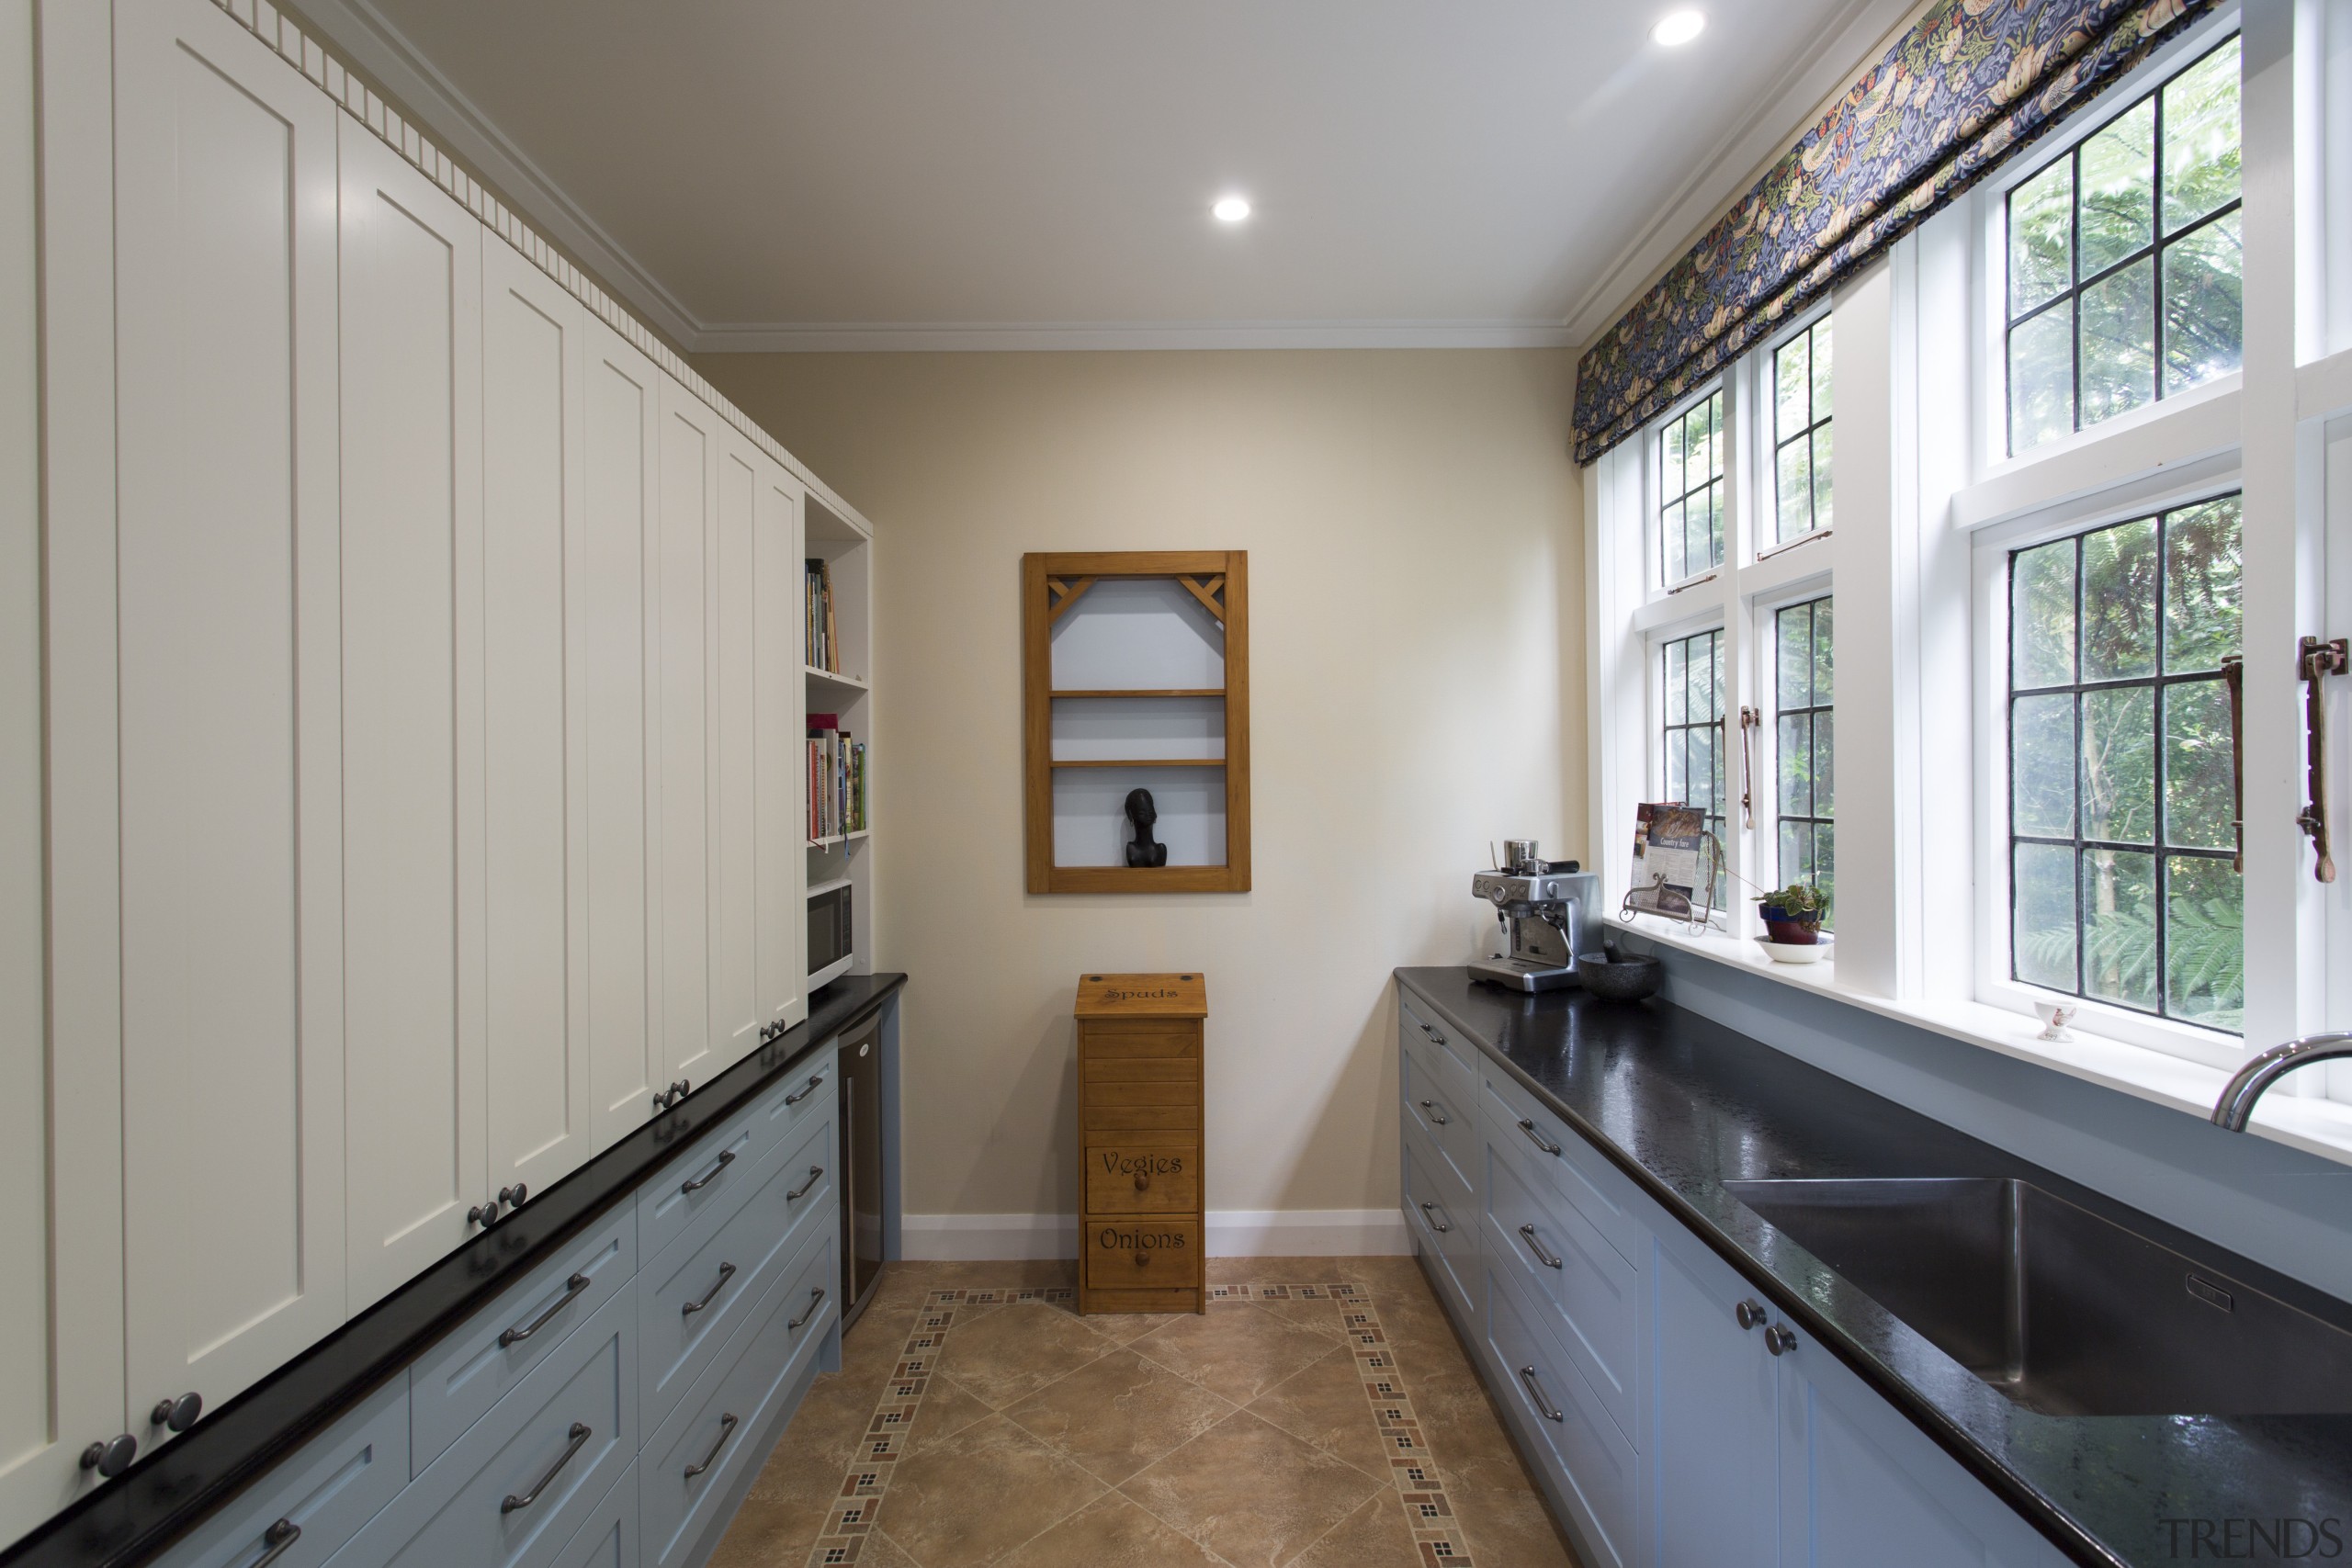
(1794, 952)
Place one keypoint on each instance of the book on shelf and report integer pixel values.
(824, 648)
(837, 779)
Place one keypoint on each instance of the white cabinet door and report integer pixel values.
(413, 606)
(780, 811)
(735, 680)
(687, 567)
(617, 946)
(232, 916)
(535, 839)
(60, 1193)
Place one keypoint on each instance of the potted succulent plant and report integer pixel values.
(1793, 914)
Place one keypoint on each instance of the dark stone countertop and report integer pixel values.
(1682, 1105)
(135, 1517)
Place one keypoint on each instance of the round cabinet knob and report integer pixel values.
(1143, 1180)
(178, 1413)
(112, 1456)
(513, 1197)
(1778, 1340)
(1750, 1314)
(483, 1214)
(1143, 1259)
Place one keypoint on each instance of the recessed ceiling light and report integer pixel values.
(1230, 210)
(1679, 28)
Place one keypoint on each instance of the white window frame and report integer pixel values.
(1653, 440)
(1764, 608)
(1763, 475)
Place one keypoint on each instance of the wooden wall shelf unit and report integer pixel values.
(1142, 1226)
(1135, 674)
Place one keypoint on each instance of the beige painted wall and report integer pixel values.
(1414, 525)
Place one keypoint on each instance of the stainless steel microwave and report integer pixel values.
(829, 938)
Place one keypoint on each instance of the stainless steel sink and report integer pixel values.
(2064, 1312)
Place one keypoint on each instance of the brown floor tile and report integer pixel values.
(1326, 1404)
(1277, 1270)
(1125, 1327)
(947, 1408)
(1110, 1532)
(1235, 1350)
(1509, 1525)
(1375, 1536)
(1318, 1315)
(1119, 1414)
(972, 1497)
(877, 1550)
(1251, 1491)
(1006, 1355)
(784, 1509)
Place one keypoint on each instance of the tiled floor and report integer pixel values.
(1331, 1422)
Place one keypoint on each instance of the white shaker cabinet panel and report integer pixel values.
(231, 779)
(617, 947)
(780, 811)
(535, 832)
(413, 609)
(735, 1013)
(687, 564)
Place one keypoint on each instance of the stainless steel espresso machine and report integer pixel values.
(1539, 911)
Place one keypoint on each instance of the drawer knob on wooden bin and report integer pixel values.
(815, 1297)
(726, 1430)
(277, 1542)
(112, 1456)
(178, 1413)
(1551, 1412)
(1440, 1117)
(1750, 1314)
(572, 1289)
(816, 1174)
(1538, 1139)
(1143, 1180)
(726, 1273)
(725, 1158)
(580, 1435)
(1778, 1340)
(805, 1090)
(1143, 1259)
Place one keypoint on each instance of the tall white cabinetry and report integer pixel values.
(400, 706)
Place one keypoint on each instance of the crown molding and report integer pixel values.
(950, 337)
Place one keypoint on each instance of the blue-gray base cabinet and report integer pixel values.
(609, 1411)
(1671, 1419)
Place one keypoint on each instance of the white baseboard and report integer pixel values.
(1233, 1233)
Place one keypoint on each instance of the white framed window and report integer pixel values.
(2115, 259)
(1795, 807)
(1797, 405)
(1692, 732)
(1692, 488)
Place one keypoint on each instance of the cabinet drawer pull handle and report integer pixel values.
(805, 1090)
(726, 1430)
(816, 1173)
(1436, 1036)
(1778, 1340)
(1527, 1376)
(726, 1273)
(1527, 1234)
(1750, 1314)
(1431, 1211)
(1440, 1117)
(580, 1435)
(1538, 1139)
(277, 1542)
(725, 1158)
(816, 1296)
(572, 1289)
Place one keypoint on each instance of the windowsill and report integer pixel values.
(2315, 1125)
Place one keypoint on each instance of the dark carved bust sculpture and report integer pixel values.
(1140, 811)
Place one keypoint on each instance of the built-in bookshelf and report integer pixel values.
(838, 594)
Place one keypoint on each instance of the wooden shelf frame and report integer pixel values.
(1051, 584)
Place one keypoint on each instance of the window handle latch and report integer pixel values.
(1750, 721)
(2318, 661)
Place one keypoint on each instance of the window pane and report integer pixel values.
(1670, 525)
(2119, 188)
(2041, 939)
(1823, 649)
(1792, 651)
(1714, 545)
(2119, 927)
(2202, 137)
(2197, 772)
(2041, 766)
(2041, 220)
(1825, 764)
(2119, 353)
(2204, 327)
(2202, 564)
(1796, 853)
(1791, 384)
(1822, 516)
(2041, 616)
(1707, 677)
(2120, 601)
(1795, 489)
(1678, 766)
(2041, 379)
(2205, 942)
(1669, 450)
(1711, 422)
(2118, 761)
(1677, 683)
(1793, 747)
(1819, 337)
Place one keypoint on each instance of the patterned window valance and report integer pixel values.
(1972, 83)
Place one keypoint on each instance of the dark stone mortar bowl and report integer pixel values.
(1622, 978)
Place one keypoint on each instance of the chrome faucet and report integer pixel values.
(2236, 1105)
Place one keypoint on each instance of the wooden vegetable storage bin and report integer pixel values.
(1140, 1117)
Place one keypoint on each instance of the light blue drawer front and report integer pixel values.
(1587, 1457)
(690, 1462)
(608, 1538)
(456, 1381)
(1450, 1122)
(690, 1303)
(316, 1501)
(686, 1203)
(811, 1091)
(512, 1491)
(1587, 1292)
(1456, 1060)
(1443, 1214)
(1564, 1163)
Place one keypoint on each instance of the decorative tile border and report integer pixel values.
(284, 36)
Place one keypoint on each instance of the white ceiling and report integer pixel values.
(853, 173)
